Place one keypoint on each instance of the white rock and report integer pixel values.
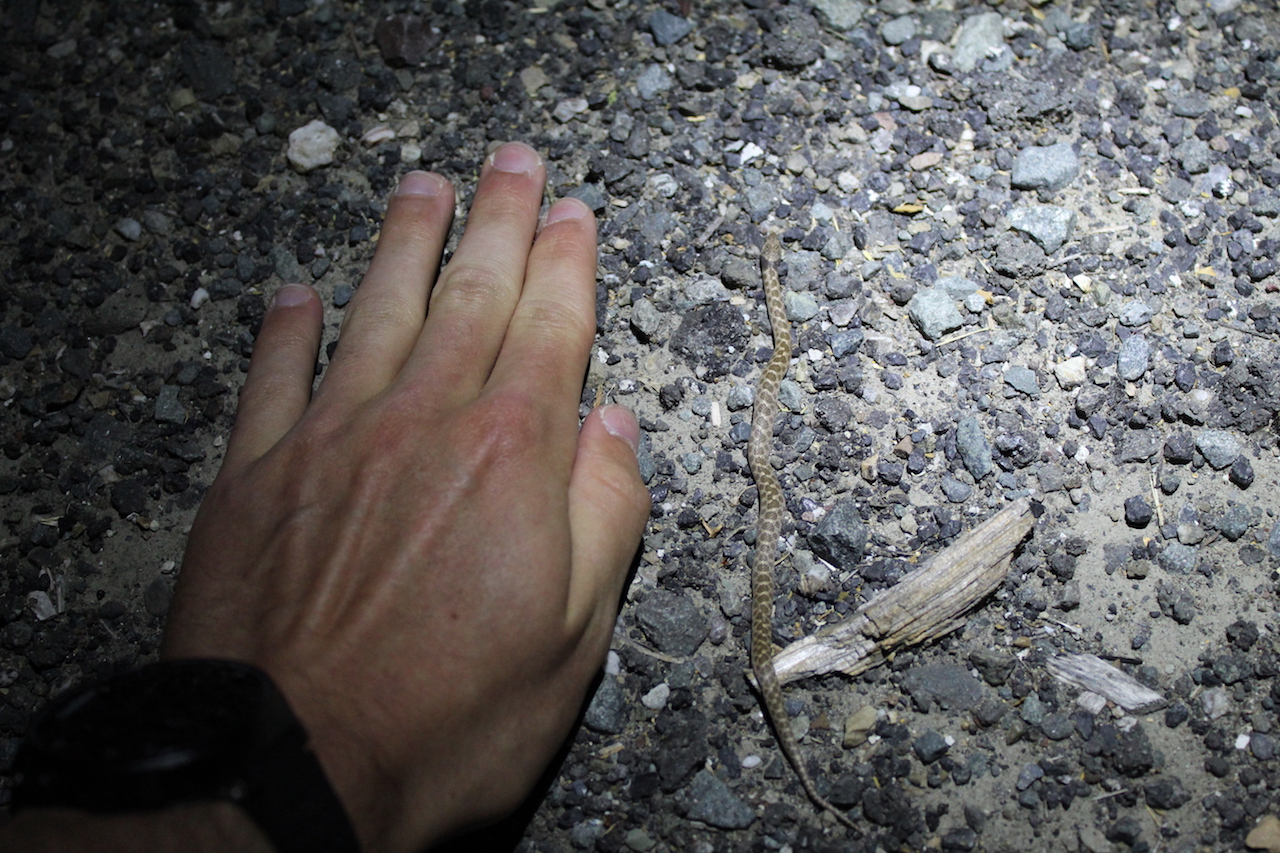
(313, 145)
(200, 297)
(656, 699)
(1071, 372)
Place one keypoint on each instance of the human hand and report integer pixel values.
(427, 556)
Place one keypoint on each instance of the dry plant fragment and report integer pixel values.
(1092, 673)
(928, 603)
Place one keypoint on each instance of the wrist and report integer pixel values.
(190, 828)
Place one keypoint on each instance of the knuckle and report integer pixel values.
(470, 284)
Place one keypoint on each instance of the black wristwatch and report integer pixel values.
(179, 732)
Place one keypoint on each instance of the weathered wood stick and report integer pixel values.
(1092, 673)
(926, 604)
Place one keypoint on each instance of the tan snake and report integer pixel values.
(769, 523)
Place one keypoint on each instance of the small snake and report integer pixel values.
(769, 524)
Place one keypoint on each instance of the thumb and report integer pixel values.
(608, 507)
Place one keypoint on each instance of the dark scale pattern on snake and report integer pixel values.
(769, 525)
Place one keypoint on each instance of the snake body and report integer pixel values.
(769, 523)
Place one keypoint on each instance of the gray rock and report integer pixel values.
(703, 291)
(1134, 357)
(1218, 447)
(1273, 541)
(608, 711)
(801, 307)
(169, 408)
(1135, 313)
(1028, 776)
(667, 28)
(1175, 603)
(1032, 710)
(993, 666)
(1022, 379)
(956, 491)
(672, 622)
(1178, 559)
(841, 536)
(898, 30)
(120, 312)
(930, 746)
(1194, 155)
(949, 685)
(1051, 167)
(157, 596)
(1234, 522)
(980, 36)
(934, 312)
(15, 342)
(973, 448)
(645, 319)
(1057, 726)
(129, 228)
(1193, 105)
(794, 42)
(653, 81)
(846, 342)
(1048, 225)
(958, 286)
(840, 14)
(1080, 35)
(713, 803)
(1166, 792)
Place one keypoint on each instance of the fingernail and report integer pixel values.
(420, 183)
(566, 208)
(290, 295)
(619, 421)
(515, 157)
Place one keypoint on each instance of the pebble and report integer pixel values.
(1071, 372)
(858, 726)
(841, 537)
(667, 28)
(801, 307)
(1050, 167)
(646, 320)
(1136, 313)
(1022, 379)
(1137, 512)
(313, 145)
(608, 711)
(712, 802)
(1048, 225)
(1218, 447)
(898, 30)
(934, 312)
(1241, 472)
(1134, 358)
(653, 81)
(1265, 835)
(404, 40)
(1273, 541)
(956, 491)
(129, 228)
(656, 699)
(1178, 558)
(980, 37)
(973, 448)
(950, 685)
(672, 622)
(169, 409)
(930, 746)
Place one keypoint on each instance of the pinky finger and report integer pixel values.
(282, 370)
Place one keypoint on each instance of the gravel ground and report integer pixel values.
(1031, 249)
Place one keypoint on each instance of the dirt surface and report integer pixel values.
(1031, 250)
